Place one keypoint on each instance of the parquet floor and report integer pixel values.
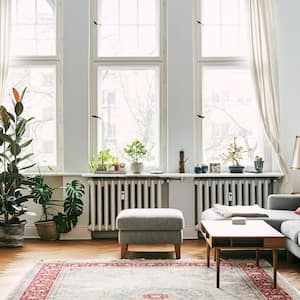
(15, 263)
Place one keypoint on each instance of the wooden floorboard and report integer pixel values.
(14, 263)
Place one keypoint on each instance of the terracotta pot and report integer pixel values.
(47, 230)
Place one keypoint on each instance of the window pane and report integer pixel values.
(230, 111)
(40, 103)
(128, 102)
(33, 27)
(224, 30)
(128, 28)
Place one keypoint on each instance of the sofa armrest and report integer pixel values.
(283, 202)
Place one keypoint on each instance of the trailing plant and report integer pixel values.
(65, 213)
(13, 184)
(234, 153)
(136, 150)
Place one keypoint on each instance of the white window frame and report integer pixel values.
(39, 60)
(159, 61)
(223, 61)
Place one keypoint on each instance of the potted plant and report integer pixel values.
(54, 221)
(12, 182)
(102, 162)
(234, 155)
(136, 151)
(258, 164)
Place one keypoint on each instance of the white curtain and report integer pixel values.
(263, 58)
(4, 44)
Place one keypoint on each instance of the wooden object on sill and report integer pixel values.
(181, 162)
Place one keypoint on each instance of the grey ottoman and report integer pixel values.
(150, 226)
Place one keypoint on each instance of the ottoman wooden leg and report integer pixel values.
(124, 248)
(177, 250)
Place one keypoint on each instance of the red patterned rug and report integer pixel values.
(147, 279)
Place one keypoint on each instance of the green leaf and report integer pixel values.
(26, 143)
(28, 167)
(20, 129)
(6, 138)
(15, 149)
(19, 108)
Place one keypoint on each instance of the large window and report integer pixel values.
(226, 93)
(35, 64)
(127, 62)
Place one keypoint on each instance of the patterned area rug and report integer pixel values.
(147, 279)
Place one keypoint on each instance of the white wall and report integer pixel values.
(287, 26)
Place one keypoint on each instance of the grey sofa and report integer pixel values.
(281, 215)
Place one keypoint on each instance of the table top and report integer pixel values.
(252, 229)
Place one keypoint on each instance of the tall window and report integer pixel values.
(35, 64)
(127, 64)
(226, 92)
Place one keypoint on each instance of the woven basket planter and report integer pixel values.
(47, 230)
(12, 235)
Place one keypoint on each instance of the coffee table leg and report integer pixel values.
(207, 254)
(274, 268)
(257, 257)
(218, 266)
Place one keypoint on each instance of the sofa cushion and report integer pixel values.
(291, 229)
(150, 219)
(299, 238)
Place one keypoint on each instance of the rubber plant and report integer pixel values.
(64, 213)
(13, 184)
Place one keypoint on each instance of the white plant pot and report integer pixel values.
(137, 167)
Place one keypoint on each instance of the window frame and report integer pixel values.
(54, 60)
(201, 62)
(134, 61)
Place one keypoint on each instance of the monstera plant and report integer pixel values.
(58, 216)
(14, 186)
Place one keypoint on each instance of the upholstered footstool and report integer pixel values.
(150, 226)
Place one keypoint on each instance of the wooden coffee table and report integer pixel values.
(223, 235)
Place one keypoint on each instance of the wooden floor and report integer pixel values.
(14, 263)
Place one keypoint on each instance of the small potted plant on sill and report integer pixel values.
(136, 151)
(258, 164)
(102, 161)
(14, 186)
(234, 155)
(53, 220)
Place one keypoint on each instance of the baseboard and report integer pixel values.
(77, 233)
(190, 233)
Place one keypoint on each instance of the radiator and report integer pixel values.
(230, 192)
(108, 197)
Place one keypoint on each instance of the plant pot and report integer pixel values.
(47, 230)
(236, 169)
(101, 169)
(137, 167)
(12, 235)
(259, 165)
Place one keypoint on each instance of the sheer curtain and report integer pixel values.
(4, 44)
(263, 58)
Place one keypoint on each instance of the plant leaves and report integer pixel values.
(16, 95)
(19, 108)
(15, 149)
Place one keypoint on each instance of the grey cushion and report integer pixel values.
(299, 238)
(291, 230)
(150, 219)
(283, 201)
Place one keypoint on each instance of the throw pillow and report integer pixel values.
(298, 210)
